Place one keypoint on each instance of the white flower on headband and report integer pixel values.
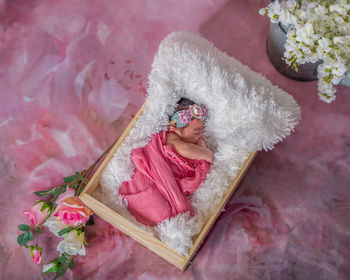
(199, 112)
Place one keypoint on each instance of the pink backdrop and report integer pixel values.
(72, 74)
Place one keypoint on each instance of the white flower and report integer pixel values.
(55, 225)
(339, 40)
(339, 20)
(291, 5)
(262, 12)
(320, 11)
(326, 98)
(304, 33)
(73, 243)
(286, 17)
(310, 7)
(338, 70)
(320, 32)
(337, 8)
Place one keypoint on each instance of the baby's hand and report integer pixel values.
(201, 141)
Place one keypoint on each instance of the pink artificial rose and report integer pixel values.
(38, 213)
(70, 210)
(35, 252)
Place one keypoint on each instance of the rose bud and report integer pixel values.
(38, 213)
(35, 252)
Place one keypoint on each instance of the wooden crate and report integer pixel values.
(145, 238)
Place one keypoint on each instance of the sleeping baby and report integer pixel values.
(170, 167)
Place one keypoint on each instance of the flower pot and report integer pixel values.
(275, 50)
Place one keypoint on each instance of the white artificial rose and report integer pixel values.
(73, 243)
(55, 225)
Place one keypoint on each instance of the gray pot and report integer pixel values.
(275, 50)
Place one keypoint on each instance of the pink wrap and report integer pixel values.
(162, 181)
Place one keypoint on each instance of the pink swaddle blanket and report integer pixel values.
(162, 181)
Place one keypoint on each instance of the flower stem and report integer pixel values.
(85, 173)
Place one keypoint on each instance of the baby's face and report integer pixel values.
(193, 131)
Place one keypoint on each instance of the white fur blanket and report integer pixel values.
(246, 113)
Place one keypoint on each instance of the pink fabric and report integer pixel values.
(162, 181)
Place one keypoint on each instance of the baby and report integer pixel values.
(169, 168)
(185, 131)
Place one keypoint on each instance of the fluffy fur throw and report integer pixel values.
(246, 113)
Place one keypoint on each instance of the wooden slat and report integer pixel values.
(145, 238)
(206, 229)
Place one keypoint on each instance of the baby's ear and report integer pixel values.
(172, 128)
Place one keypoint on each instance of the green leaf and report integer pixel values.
(29, 235)
(69, 179)
(90, 221)
(64, 231)
(44, 193)
(45, 205)
(38, 230)
(24, 227)
(62, 259)
(50, 267)
(22, 239)
(80, 177)
(71, 264)
(75, 187)
(61, 270)
(53, 204)
(59, 190)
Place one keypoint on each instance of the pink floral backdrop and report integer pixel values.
(72, 75)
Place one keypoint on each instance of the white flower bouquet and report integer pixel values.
(320, 31)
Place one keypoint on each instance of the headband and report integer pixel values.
(194, 111)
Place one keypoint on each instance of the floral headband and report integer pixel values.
(183, 117)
